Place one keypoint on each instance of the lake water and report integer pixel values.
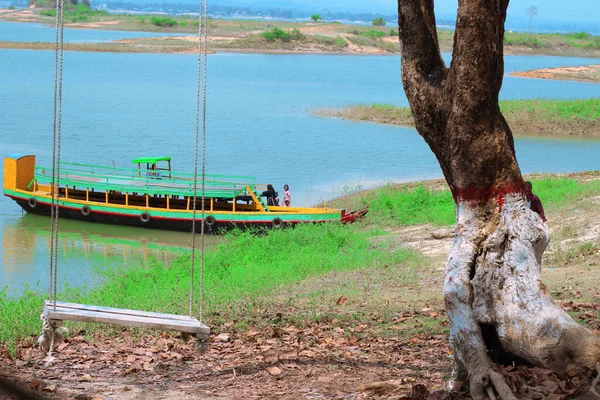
(121, 106)
(29, 32)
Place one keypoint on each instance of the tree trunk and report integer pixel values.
(499, 309)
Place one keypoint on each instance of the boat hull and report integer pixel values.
(216, 224)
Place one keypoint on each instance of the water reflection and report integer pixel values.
(83, 248)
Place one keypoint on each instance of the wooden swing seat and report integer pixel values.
(123, 317)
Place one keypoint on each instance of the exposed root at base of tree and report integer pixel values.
(522, 383)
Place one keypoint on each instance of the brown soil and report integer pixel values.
(279, 363)
(589, 73)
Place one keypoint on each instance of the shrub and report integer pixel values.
(11, 7)
(297, 35)
(280, 34)
(393, 32)
(163, 21)
(340, 41)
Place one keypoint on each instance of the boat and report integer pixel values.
(151, 195)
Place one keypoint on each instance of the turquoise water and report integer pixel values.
(29, 32)
(121, 106)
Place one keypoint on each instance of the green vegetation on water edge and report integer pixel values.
(536, 116)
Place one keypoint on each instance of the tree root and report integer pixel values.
(595, 381)
(502, 388)
(489, 383)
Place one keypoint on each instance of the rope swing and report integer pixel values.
(56, 312)
(201, 86)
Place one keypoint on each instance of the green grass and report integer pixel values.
(76, 13)
(557, 192)
(373, 34)
(523, 39)
(554, 110)
(393, 205)
(240, 275)
(407, 205)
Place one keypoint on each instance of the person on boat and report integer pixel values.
(533, 201)
(271, 196)
(287, 197)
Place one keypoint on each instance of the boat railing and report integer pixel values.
(145, 181)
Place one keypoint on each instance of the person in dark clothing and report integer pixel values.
(534, 202)
(271, 196)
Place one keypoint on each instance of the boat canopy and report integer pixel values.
(150, 160)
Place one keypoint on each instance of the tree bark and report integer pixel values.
(496, 301)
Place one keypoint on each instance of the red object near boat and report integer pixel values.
(353, 215)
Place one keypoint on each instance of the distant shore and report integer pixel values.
(266, 36)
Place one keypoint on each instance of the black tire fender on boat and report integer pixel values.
(86, 211)
(278, 223)
(32, 202)
(145, 217)
(210, 221)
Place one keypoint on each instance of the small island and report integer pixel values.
(536, 117)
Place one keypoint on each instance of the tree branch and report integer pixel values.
(477, 59)
(418, 37)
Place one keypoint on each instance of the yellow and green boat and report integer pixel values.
(151, 196)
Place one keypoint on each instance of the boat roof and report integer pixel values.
(150, 160)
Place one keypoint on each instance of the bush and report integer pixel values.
(11, 7)
(378, 22)
(279, 34)
(393, 32)
(163, 21)
(340, 41)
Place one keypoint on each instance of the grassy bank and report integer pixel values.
(250, 273)
(240, 276)
(525, 117)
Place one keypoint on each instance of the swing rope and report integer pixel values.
(57, 125)
(201, 86)
(54, 206)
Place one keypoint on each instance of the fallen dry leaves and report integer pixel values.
(322, 360)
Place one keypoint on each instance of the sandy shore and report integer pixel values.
(589, 73)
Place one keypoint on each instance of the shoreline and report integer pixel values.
(526, 118)
(248, 36)
(587, 73)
